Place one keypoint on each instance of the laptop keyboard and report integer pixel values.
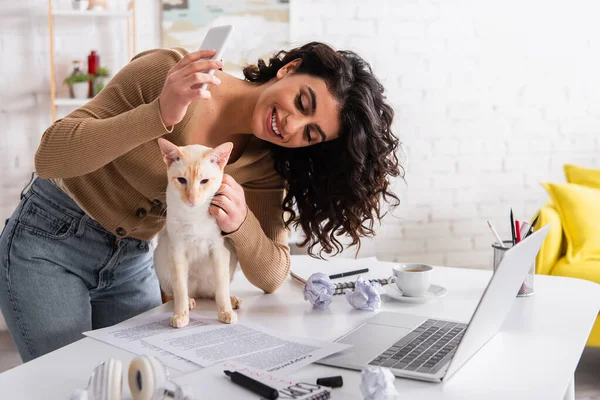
(425, 349)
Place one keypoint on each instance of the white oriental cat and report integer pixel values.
(192, 259)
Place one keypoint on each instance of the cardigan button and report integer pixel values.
(141, 212)
(157, 203)
(121, 232)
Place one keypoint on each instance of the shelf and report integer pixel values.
(120, 13)
(65, 101)
(90, 13)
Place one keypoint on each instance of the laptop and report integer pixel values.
(423, 348)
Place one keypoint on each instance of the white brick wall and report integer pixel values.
(490, 98)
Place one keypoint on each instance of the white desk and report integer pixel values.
(534, 356)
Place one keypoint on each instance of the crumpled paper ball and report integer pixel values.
(377, 383)
(319, 290)
(365, 295)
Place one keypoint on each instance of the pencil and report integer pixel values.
(518, 230)
(496, 234)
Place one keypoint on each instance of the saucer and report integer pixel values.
(433, 292)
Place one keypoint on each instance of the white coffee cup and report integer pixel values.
(412, 279)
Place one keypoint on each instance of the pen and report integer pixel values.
(255, 386)
(496, 234)
(518, 232)
(343, 274)
(512, 227)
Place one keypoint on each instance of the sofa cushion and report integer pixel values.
(579, 210)
(583, 176)
(588, 270)
(554, 246)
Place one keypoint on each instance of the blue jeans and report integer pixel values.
(62, 274)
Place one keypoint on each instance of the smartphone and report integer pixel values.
(216, 38)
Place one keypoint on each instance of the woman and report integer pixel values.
(311, 134)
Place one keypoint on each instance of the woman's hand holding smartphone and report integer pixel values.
(178, 93)
(188, 80)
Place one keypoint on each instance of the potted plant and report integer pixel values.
(100, 79)
(79, 84)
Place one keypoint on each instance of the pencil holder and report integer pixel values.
(526, 288)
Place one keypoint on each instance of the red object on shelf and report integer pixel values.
(93, 64)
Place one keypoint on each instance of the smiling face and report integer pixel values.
(297, 110)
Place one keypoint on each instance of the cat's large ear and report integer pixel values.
(220, 154)
(170, 152)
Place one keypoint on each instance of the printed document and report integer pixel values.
(206, 341)
(246, 343)
(131, 335)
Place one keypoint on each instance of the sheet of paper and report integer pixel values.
(302, 267)
(132, 335)
(246, 343)
(212, 383)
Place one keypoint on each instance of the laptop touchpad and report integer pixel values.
(368, 341)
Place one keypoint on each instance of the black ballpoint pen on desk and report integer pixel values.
(257, 387)
(343, 274)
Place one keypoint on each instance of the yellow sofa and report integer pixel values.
(554, 257)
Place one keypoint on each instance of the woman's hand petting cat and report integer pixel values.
(183, 82)
(229, 205)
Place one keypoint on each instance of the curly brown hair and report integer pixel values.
(347, 198)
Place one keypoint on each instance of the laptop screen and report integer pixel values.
(497, 298)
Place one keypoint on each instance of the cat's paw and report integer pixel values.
(192, 303)
(228, 317)
(236, 302)
(180, 320)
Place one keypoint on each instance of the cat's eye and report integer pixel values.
(203, 181)
(183, 181)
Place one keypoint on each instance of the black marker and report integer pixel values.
(255, 386)
(343, 274)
